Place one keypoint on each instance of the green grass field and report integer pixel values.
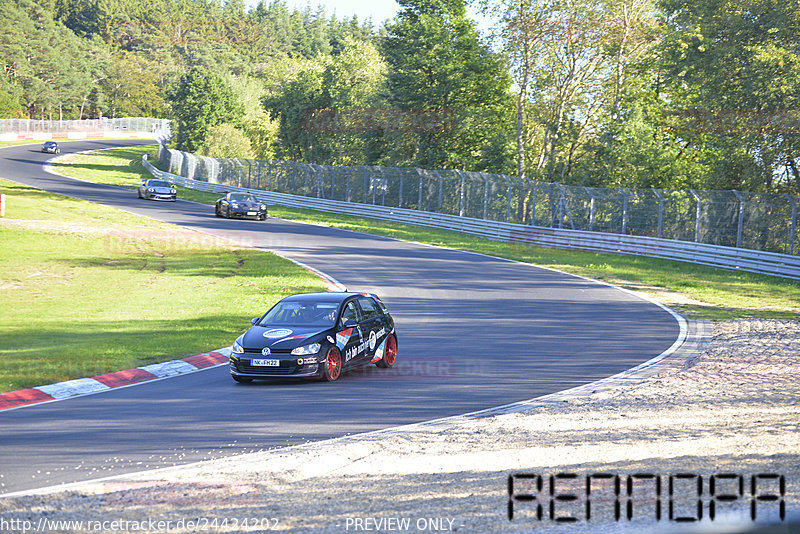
(88, 289)
(697, 291)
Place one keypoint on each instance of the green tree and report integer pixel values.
(734, 67)
(226, 141)
(200, 100)
(438, 65)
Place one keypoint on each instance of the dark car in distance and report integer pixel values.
(316, 335)
(154, 189)
(51, 147)
(240, 205)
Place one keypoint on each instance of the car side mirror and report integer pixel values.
(254, 320)
(350, 324)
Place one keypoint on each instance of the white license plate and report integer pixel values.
(266, 363)
(252, 212)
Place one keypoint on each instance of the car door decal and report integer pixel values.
(343, 337)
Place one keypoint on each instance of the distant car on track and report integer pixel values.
(316, 335)
(241, 205)
(157, 190)
(51, 147)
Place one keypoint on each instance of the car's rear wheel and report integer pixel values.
(389, 354)
(333, 365)
(241, 379)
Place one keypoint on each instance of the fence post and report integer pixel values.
(741, 219)
(441, 187)
(793, 224)
(510, 185)
(2, 205)
(485, 195)
(461, 196)
(400, 200)
(697, 216)
(624, 210)
(419, 202)
(660, 212)
(591, 208)
(533, 204)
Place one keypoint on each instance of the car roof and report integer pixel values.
(333, 296)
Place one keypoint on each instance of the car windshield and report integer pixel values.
(242, 197)
(301, 314)
(158, 183)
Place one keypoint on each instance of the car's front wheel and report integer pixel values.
(333, 365)
(389, 354)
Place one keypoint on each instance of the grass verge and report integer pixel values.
(88, 289)
(697, 291)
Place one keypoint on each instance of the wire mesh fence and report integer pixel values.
(758, 221)
(29, 127)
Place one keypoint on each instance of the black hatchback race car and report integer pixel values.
(51, 147)
(241, 205)
(316, 335)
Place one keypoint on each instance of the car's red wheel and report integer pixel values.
(390, 353)
(333, 365)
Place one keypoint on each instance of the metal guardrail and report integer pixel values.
(770, 263)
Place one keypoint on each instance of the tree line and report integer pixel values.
(616, 93)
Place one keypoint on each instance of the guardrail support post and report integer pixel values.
(2, 205)
(793, 224)
(697, 217)
(739, 226)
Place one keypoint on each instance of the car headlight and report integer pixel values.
(151, 190)
(263, 207)
(234, 205)
(236, 348)
(173, 191)
(306, 349)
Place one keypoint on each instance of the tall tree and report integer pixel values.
(438, 65)
(199, 100)
(736, 66)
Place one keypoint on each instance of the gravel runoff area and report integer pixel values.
(729, 409)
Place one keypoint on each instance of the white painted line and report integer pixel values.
(71, 388)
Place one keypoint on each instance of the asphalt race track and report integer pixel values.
(473, 332)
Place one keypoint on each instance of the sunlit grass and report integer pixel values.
(88, 289)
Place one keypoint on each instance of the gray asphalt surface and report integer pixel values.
(473, 332)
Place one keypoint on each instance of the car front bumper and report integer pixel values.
(288, 368)
(248, 214)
